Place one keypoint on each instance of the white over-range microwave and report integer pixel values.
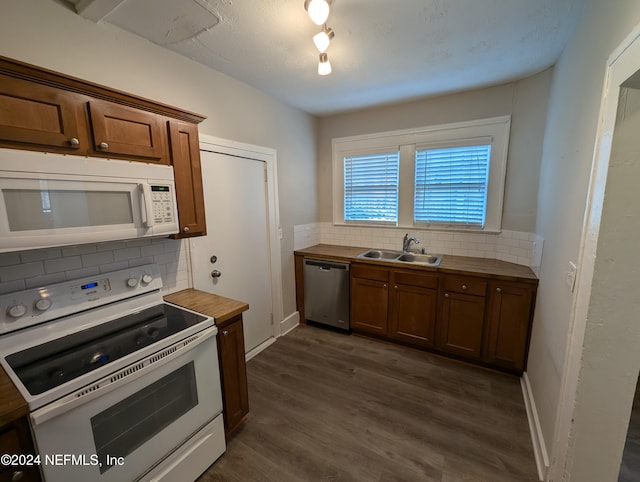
(51, 199)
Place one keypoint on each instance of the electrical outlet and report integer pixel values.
(571, 276)
(280, 235)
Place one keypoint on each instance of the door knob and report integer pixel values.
(216, 274)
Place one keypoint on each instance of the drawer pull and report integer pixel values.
(446, 295)
(499, 290)
(464, 287)
(225, 332)
(104, 145)
(74, 142)
(17, 475)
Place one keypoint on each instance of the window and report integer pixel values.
(451, 185)
(371, 187)
(445, 177)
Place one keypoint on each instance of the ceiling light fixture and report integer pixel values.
(323, 39)
(324, 66)
(318, 10)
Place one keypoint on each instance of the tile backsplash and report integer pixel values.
(513, 246)
(34, 268)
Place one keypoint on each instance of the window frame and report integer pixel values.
(444, 135)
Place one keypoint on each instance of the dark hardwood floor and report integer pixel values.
(330, 407)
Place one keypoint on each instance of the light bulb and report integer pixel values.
(324, 66)
(323, 39)
(318, 11)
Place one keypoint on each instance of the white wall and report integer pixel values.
(47, 34)
(525, 101)
(564, 176)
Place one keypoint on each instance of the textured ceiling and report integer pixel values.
(383, 51)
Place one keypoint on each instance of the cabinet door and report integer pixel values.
(38, 116)
(413, 314)
(369, 303)
(509, 320)
(125, 131)
(185, 157)
(233, 371)
(15, 439)
(462, 320)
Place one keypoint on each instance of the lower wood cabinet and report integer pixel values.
(233, 373)
(394, 303)
(462, 316)
(480, 319)
(15, 439)
(369, 299)
(509, 318)
(413, 307)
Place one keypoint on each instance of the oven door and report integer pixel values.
(119, 428)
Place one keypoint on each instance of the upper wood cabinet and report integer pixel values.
(47, 111)
(38, 116)
(121, 130)
(185, 154)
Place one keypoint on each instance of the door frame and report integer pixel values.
(621, 64)
(269, 157)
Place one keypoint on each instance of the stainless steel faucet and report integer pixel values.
(406, 242)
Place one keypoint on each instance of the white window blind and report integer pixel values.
(371, 187)
(451, 185)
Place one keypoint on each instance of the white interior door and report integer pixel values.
(235, 192)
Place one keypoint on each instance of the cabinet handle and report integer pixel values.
(446, 295)
(186, 229)
(464, 287)
(17, 475)
(499, 290)
(104, 145)
(74, 141)
(396, 286)
(385, 286)
(225, 332)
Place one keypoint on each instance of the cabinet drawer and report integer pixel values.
(469, 286)
(416, 279)
(369, 272)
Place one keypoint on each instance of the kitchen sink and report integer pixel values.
(428, 259)
(381, 254)
(432, 260)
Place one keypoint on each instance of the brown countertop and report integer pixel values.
(449, 264)
(12, 405)
(218, 307)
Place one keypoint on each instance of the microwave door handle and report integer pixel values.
(146, 210)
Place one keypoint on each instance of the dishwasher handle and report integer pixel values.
(326, 265)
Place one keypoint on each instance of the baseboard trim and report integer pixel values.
(261, 347)
(539, 447)
(289, 323)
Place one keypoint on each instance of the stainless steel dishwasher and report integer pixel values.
(326, 292)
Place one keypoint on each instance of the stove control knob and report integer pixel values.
(43, 304)
(147, 278)
(132, 282)
(17, 310)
